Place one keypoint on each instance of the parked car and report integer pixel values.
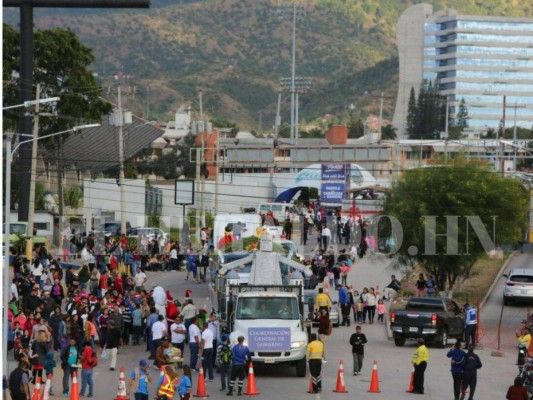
(518, 286)
(432, 318)
(112, 228)
(150, 233)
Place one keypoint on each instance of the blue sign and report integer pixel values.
(269, 339)
(333, 172)
(332, 192)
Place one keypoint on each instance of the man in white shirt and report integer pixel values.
(206, 351)
(326, 237)
(13, 290)
(159, 329)
(173, 259)
(177, 333)
(195, 337)
(214, 323)
(140, 279)
(189, 312)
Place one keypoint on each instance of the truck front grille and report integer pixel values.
(269, 354)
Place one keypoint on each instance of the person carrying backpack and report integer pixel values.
(224, 362)
(88, 362)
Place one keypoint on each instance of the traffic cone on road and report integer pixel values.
(340, 388)
(121, 392)
(37, 390)
(45, 395)
(310, 388)
(162, 371)
(411, 381)
(374, 381)
(251, 390)
(74, 390)
(201, 391)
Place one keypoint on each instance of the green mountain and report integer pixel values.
(236, 51)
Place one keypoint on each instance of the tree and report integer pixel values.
(411, 115)
(356, 128)
(61, 66)
(426, 115)
(458, 190)
(187, 167)
(388, 132)
(462, 115)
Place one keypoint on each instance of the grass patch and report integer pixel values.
(483, 274)
(470, 290)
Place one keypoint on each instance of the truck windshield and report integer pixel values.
(267, 308)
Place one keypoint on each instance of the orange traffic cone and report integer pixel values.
(37, 390)
(411, 382)
(310, 388)
(162, 371)
(74, 390)
(251, 390)
(340, 388)
(374, 382)
(45, 395)
(121, 392)
(201, 391)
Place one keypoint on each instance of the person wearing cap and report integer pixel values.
(139, 380)
(240, 356)
(160, 356)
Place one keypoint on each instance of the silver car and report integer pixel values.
(519, 285)
(309, 305)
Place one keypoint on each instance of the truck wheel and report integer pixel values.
(506, 301)
(399, 340)
(442, 340)
(301, 368)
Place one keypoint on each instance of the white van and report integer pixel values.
(243, 225)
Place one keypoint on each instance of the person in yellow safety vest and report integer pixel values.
(524, 336)
(322, 301)
(315, 355)
(420, 362)
(167, 384)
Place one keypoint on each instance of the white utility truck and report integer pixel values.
(267, 309)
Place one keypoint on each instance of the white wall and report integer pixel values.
(102, 197)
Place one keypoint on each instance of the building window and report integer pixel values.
(42, 226)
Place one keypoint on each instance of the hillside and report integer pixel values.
(236, 51)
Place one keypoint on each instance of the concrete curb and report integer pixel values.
(504, 266)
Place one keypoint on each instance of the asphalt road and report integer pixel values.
(394, 366)
(512, 314)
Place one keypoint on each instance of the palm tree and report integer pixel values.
(388, 132)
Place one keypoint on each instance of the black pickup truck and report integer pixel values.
(432, 318)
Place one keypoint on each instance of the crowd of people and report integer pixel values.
(73, 317)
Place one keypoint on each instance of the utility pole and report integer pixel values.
(26, 72)
(121, 161)
(202, 178)
(31, 208)
(380, 115)
(294, 12)
(148, 103)
(502, 144)
(277, 121)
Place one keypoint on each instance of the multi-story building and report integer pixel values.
(479, 58)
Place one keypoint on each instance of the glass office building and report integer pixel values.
(480, 59)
